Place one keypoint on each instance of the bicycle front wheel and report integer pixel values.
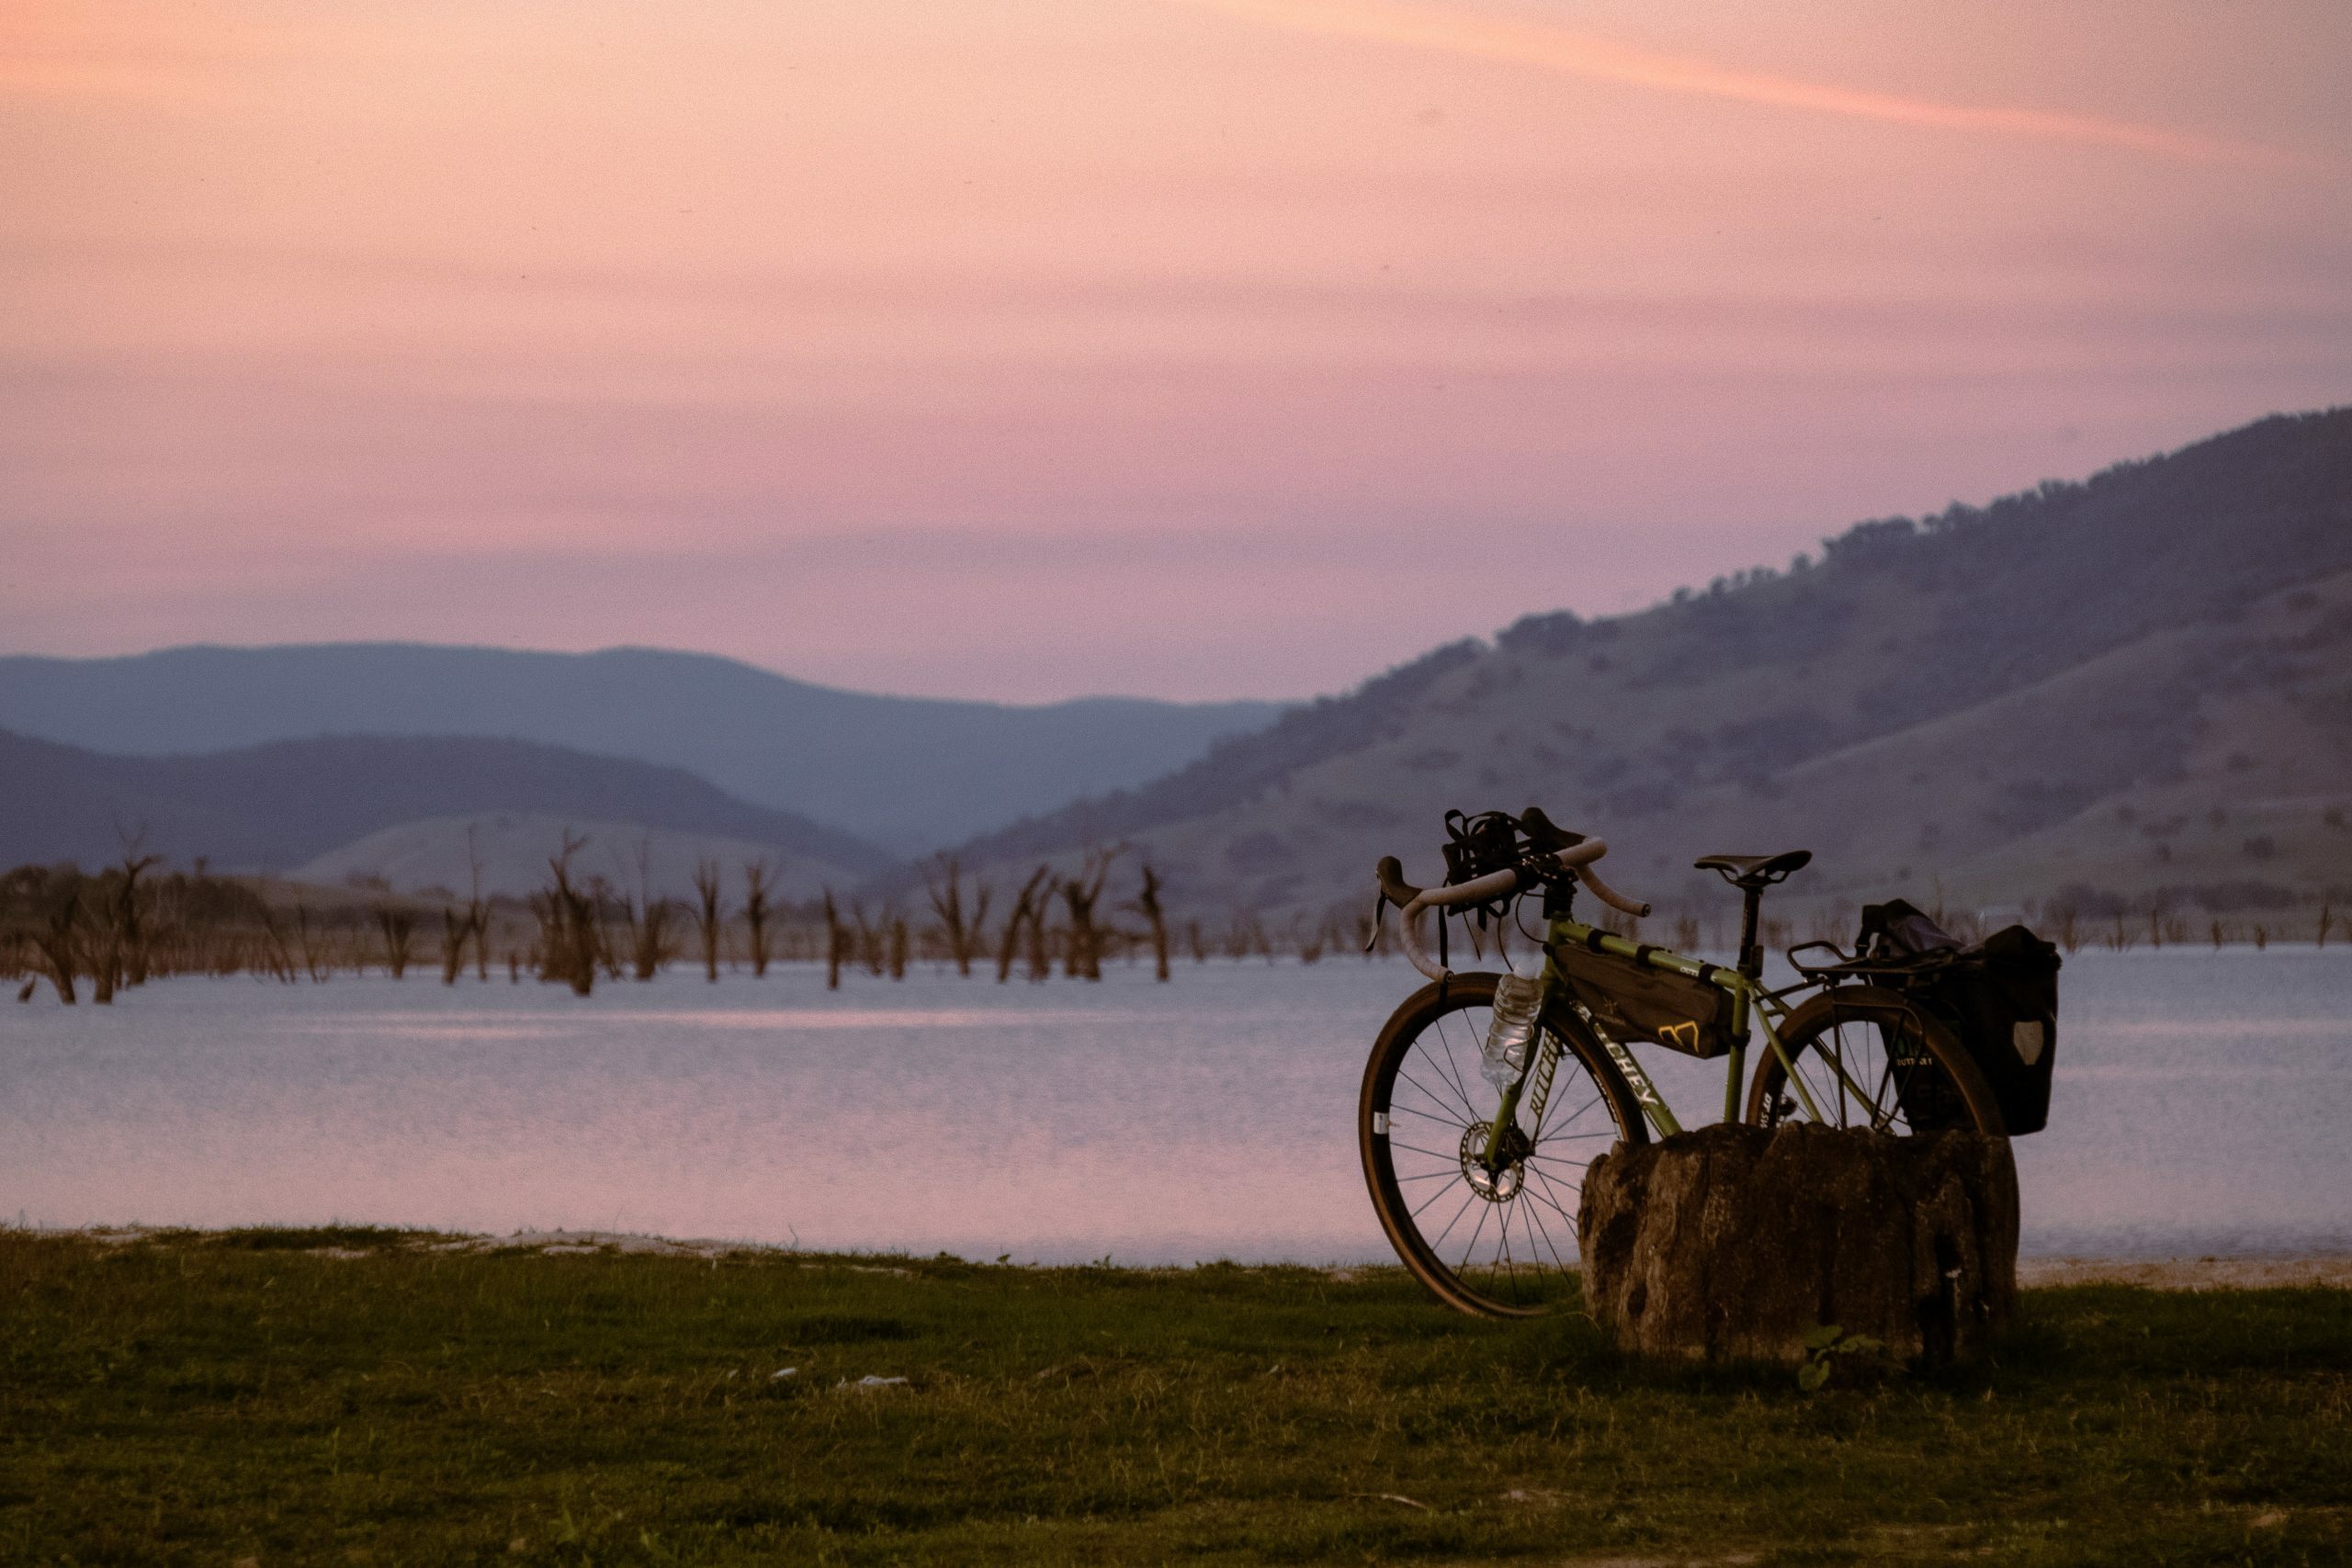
(1495, 1243)
(1873, 1059)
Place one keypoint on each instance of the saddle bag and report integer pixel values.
(2000, 997)
(1633, 1002)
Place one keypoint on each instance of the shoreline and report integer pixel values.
(2246, 1271)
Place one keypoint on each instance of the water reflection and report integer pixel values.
(2199, 1103)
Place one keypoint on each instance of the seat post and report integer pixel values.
(1751, 956)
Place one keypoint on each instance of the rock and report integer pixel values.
(1732, 1243)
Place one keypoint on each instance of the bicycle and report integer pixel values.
(1437, 1118)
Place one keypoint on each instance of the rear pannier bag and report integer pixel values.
(2003, 995)
(2000, 997)
(1634, 1002)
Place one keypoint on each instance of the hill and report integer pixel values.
(903, 771)
(281, 806)
(2137, 686)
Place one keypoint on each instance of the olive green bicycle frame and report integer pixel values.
(1750, 1000)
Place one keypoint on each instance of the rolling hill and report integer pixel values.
(902, 772)
(2137, 686)
(284, 806)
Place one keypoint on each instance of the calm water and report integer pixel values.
(2202, 1106)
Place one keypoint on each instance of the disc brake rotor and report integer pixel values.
(1501, 1185)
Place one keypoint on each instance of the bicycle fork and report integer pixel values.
(1534, 1085)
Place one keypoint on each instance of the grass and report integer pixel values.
(270, 1395)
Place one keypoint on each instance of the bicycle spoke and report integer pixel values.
(1552, 1201)
(1468, 1199)
(1568, 1121)
(1546, 1232)
(1422, 1206)
(1452, 1067)
(1503, 1258)
(1434, 1100)
(1475, 1233)
(1890, 1096)
(1839, 1079)
(1581, 1137)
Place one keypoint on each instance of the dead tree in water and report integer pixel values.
(399, 927)
(836, 942)
(602, 902)
(456, 930)
(1040, 950)
(1308, 943)
(568, 919)
(314, 964)
(1146, 904)
(650, 937)
(1082, 959)
(648, 918)
(1024, 915)
(755, 913)
(870, 936)
(277, 959)
(477, 911)
(711, 915)
(55, 900)
(126, 957)
(946, 890)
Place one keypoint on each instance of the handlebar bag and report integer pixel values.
(1632, 1001)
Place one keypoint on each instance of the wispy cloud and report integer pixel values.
(1572, 53)
(59, 49)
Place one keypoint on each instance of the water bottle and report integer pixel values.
(1512, 1033)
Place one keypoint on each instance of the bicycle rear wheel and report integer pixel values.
(1903, 1071)
(1499, 1244)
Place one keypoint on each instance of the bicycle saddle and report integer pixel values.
(1753, 871)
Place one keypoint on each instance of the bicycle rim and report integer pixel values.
(1499, 1243)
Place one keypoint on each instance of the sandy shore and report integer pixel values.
(2333, 1270)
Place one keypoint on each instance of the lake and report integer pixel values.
(2202, 1106)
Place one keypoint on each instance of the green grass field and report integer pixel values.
(244, 1396)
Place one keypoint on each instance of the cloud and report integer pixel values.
(180, 59)
(1570, 53)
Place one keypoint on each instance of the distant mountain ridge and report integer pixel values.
(905, 772)
(1960, 697)
(274, 807)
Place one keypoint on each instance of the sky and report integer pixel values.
(1191, 348)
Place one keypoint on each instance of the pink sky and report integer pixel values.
(1186, 347)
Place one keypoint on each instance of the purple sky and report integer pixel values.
(1186, 347)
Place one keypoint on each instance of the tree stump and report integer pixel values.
(1733, 1243)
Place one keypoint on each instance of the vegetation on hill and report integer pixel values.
(273, 807)
(2136, 690)
(350, 1395)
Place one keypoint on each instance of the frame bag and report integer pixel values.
(1632, 1001)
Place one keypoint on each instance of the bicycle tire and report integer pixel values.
(1430, 1046)
(1919, 1077)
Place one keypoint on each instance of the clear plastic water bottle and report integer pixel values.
(1512, 1033)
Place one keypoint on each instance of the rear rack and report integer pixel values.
(1895, 971)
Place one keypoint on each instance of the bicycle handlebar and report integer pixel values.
(1415, 902)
